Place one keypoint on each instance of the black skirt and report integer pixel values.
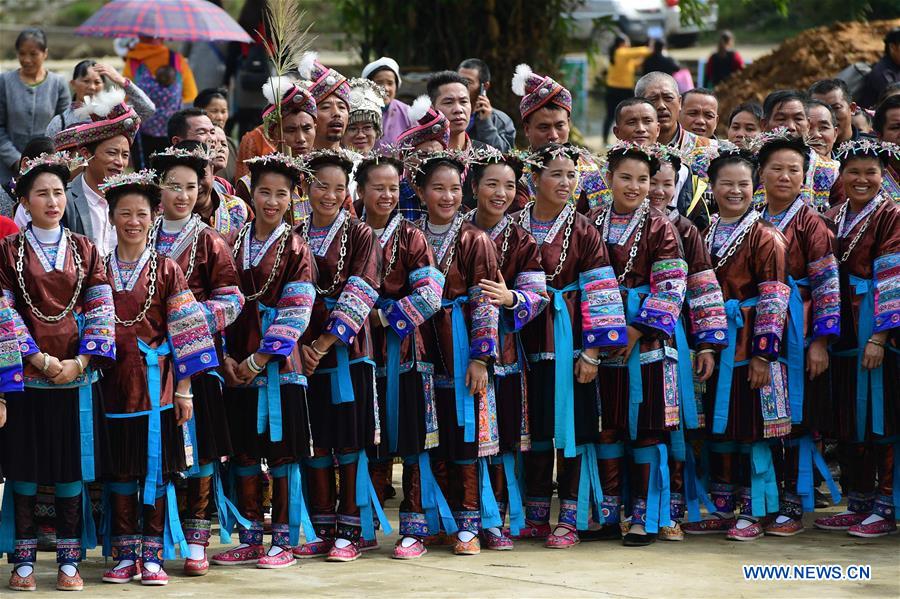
(745, 420)
(41, 441)
(129, 437)
(240, 407)
(818, 403)
(510, 396)
(213, 437)
(345, 426)
(452, 443)
(843, 422)
(541, 405)
(615, 399)
(411, 420)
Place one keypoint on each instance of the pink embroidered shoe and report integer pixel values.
(365, 545)
(750, 533)
(22, 583)
(414, 551)
(563, 541)
(874, 530)
(284, 559)
(534, 531)
(122, 575)
(715, 524)
(788, 528)
(499, 542)
(840, 521)
(64, 582)
(236, 556)
(343, 554)
(314, 549)
(196, 567)
(154, 579)
(470, 547)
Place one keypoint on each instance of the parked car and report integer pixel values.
(592, 20)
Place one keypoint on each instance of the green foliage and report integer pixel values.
(76, 13)
(801, 14)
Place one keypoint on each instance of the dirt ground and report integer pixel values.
(699, 568)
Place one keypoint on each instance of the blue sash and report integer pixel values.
(154, 421)
(514, 493)
(229, 514)
(437, 510)
(341, 385)
(686, 399)
(694, 489)
(490, 511)
(866, 378)
(658, 491)
(564, 375)
(298, 516)
(808, 456)
(86, 417)
(173, 535)
(726, 362)
(588, 485)
(763, 485)
(796, 347)
(392, 362)
(366, 500)
(268, 402)
(635, 384)
(465, 402)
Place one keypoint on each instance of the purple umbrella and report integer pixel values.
(186, 20)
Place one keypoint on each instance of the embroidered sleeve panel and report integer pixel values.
(27, 345)
(98, 338)
(484, 324)
(351, 310)
(771, 313)
(593, 185)
(660, 310)
(293, 312)
(193, 349)
(706, 308)
(602, 311)
(11, 369)
(887, 292)
(530, 289)
(405, 314)
(826, 296)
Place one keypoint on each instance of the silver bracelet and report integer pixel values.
(589, 360)
(253, 365)
(184, 395)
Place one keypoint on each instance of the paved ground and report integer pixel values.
(698, 568)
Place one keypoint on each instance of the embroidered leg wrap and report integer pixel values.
(538, 465)
(412, 514)
(68, 522)
(464, 495)
(857, 468)
(610, 459)
(249, 500)
(321, 493)
(199, 493)
(24, 502)
(498, 484)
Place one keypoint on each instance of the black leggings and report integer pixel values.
(614, 95)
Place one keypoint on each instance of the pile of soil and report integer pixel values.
(814, 54)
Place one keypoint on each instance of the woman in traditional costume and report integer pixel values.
(411, 292)
(208, 266)
(337, 357)
(56, 283)
(747, 404)
(562, 345)
(265, 388)
(162, 341)
(865, 359)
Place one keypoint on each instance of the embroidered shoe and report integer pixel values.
(314, 549)
(365, 545)
(709, 526)
(414, 551)
(562, 541)
(283, 559)
(154, 579)
(248, 554)
(122, 575)
(671, 533)
(499, 542)
(22, 583)
(348, 553)
(840, 521)
(750, 533)
(196, 567)
(64, 582)
(788, 528)
(470, 547)
(534, 531)
(874, 529)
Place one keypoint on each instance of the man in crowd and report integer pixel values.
(884, 72)
(662, 91)
(700, 112)
(449, 93)
(331, 91)
(487, 124)
(190, 123)
(835, 93)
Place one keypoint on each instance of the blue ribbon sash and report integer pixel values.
(635, 384)
(564, 348)
(490, 511)
(658, 491)
(392, 363)
(341, 384)
(796, 349)
(514, 493)
(268, 403)
(437, 510)
(726, 362)
(588, 485)
(465, 402)
(367, 500)
(154, 420)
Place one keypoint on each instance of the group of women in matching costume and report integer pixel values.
(654, 368)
